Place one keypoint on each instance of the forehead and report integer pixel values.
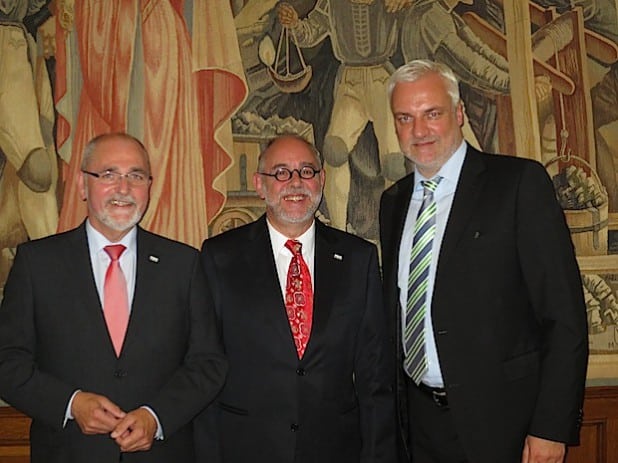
(427, 90)
(118, 152)
(289, 151)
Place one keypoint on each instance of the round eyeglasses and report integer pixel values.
(111, 177)
(283, 174)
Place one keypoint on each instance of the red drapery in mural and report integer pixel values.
(169, 75)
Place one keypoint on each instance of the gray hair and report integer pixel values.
(414, 70)
(295, 136)
(92, 145)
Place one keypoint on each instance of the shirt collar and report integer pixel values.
(278, 240)
(96, 240)
(449, 171)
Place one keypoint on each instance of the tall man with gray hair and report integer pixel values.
(483, 291)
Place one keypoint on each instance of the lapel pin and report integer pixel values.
(338, 256)
(477, 234)
(154, 259)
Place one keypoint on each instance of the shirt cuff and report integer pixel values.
(159, 433)
(67, 414)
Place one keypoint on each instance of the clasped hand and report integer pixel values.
(96, 414)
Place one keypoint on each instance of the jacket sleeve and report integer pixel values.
(551, 274)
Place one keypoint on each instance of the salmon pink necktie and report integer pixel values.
(299, 297)
(115, 298)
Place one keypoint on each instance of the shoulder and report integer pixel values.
(506, 168)
(342, 238)
(504, 161)
(57, 242)
(153, 243)
(235, 237)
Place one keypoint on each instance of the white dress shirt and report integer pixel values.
(100, 260)
(443, 196)
(283, 256)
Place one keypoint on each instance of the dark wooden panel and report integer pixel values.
(599, 435)
(14, 431)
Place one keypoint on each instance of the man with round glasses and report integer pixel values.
(300, 310)
(107, 334)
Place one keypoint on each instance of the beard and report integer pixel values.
(121, 224)
(276, 205)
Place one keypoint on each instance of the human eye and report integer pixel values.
(435, 114)
(403, 118)
(136, 177)
(109, 176)
(307, 172)
(282, 174)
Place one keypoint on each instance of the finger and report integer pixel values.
(111, 408)
(123, 426)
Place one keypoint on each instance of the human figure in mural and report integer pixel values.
(309, 378)
(135, 66)
(28, 164)
(494, 285)
(364, 36)
(98, 383)
(600, 16)
(434, 30)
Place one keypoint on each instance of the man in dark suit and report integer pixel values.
(99, 388)
(307, 382)
(494, 370)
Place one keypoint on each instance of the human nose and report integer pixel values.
(295, 179)
(419, 128)
(123, 183)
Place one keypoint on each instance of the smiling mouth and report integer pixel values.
(119, 203)
(294, 198)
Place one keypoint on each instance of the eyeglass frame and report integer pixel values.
(117, 177)
(290, 172)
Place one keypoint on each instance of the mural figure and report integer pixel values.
(146, 67)
(364, 35)
(28, 167)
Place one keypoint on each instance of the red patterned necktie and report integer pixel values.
(115, 298)
(299, 297)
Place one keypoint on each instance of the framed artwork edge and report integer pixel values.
(602, 368)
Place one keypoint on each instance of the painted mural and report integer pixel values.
(206, 83)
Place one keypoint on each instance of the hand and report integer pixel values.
(538, 450)
(47, 33)
(94, 413)
(136, 431)
(287, 15)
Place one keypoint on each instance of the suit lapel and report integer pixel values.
(325, 278)
(401, 204)
(469, 187)
(78, 257)
(260, 273)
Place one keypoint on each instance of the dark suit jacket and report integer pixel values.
(508, 312)
(53, 340)
(334, 405)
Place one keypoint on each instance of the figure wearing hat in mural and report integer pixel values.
(364, 38)
(28, 172)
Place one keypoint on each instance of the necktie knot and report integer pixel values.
(431, 185)
(114, 251)
(294, 246)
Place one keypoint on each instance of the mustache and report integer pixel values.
(122, 198)
(295, 191)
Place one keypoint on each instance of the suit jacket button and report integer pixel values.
(300, 371)
(120, 374)
(294, 427)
